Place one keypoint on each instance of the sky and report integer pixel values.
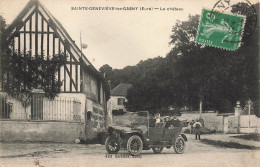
(118, 38)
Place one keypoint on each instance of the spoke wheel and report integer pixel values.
(179, 145)
(134, 145)
(112, 145)
(157, 150)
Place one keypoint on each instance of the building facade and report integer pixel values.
(79, 110)
(118, 98)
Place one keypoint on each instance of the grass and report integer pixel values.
(228, 144)
(254, 137)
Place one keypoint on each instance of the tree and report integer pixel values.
(191, 72)
(106, 70)
(3, 43)
(23, 73)
(217, 77)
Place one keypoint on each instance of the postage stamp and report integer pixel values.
(220, 30)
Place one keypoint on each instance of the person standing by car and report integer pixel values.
(191, 126)
(197, 127)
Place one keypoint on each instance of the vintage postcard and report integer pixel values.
(129, 83)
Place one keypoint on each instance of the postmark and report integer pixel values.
(222, 30)
(242, 7)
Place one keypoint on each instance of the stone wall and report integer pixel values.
(41, 131)
(211, 120)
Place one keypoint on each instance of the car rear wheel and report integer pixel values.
(112, 145)
(134, 145)
(157, 150)
(179, 145)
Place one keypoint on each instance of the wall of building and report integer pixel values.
(112, 104)
(40, 131)
(93, 87)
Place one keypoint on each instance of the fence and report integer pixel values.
(40, 108)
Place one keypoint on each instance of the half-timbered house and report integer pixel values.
(79, 109)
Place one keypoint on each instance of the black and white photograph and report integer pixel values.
(129, 83)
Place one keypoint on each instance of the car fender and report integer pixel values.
(183, 136)
(136, 133)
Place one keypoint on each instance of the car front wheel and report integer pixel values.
(134, 145)
(112, 145)
(179, 145)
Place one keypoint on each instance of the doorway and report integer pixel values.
(225, 124)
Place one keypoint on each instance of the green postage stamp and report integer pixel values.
(220, 29)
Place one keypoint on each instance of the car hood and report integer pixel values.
(127, 128)
(121, 127)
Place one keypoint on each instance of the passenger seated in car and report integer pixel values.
(156, 121)
(157, 118)
(167, 120)
(173, 122)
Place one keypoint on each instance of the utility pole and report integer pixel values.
(249, 113)
(110, 105)
(200, 108)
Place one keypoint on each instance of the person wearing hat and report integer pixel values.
(197, 126)
(175, 122)
(167, 119)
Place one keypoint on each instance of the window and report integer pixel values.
(5, 108)
(120, 101)
(89, 116)
(93, 86)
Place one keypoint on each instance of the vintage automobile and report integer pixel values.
(143, 134)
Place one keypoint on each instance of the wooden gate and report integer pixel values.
(37, 107)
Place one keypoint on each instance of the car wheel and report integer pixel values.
(134, 145)
(179, 145)
(112, 145)
(157, 150)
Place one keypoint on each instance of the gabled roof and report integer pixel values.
(121, 89)
(36, 5)
(30, 8)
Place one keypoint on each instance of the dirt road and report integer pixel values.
(75, 155)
